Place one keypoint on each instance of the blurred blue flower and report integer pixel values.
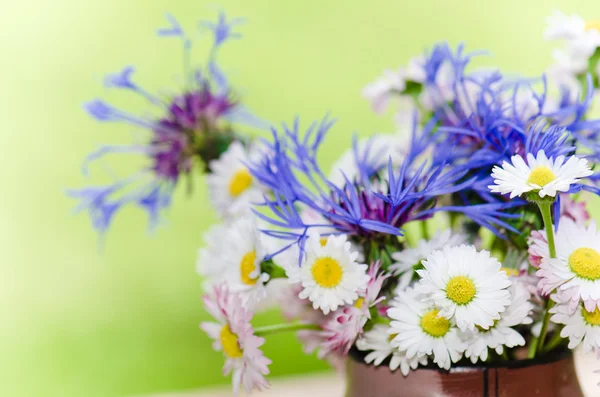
(196, 124)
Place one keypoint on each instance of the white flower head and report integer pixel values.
(418, 330)
(466, 284)
(234, 336)
(576, 269)
(502, 332)
(231, 187)
(543, 175)
(581, 326)
(380, 91)
(408, 258)
(564, 27)
(233, 256)
(330, 275)
(377, 342)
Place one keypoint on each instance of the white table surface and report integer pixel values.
(332, 385)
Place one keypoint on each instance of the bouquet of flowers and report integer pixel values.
(465, 240)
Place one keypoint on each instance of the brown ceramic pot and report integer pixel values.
(550, 377)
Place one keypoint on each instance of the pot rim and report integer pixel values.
(466, 365)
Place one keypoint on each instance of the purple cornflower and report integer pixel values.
(189, 129)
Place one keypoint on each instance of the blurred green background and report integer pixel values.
(78, 321)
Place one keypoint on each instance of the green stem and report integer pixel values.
(424, 230)
(277, 328)
(547, 217)
(555, 341)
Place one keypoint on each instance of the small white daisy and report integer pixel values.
(580, 326)
(576, 269)
(377, 342)
(419, 330)
(381, 90)
(502, 333)
(234, 256)
(329, 273)
(234, 336)
(231, 187)
(466, 284)
(408, 258)
(540, 174)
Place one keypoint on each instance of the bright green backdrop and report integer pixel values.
(77, 322)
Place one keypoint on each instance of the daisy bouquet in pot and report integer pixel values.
(468, 242)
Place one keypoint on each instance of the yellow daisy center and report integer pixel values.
(327, 272)
(510, 271)
(391, 337)
(585, 262)
(460, 290)
(591, 318)
(541, 176)
(359, 302)
(434, 325)
(239, 182)
(323, 241)
(247, 266)
(592, 25)
(230, 344)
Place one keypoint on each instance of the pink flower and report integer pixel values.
(538, 247)
(234, 336)
(347, 323)
(573, 210)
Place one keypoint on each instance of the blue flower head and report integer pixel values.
(366, 211)
(193, 127)
(488, 118)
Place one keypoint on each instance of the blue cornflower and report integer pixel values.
(193, 127)
(366, 208)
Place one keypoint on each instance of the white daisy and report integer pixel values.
(234, 336)
(231, 187)
(576, 269)
(466, 284)
(329, 273)
(419, 330)
(502, 333)
(580, 326)
(381, 90)
(377, 342)
(564, 27)
(540, 174)
(375, 151)
(408, 258)
(233, 256)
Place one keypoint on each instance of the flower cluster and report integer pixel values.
(499, 167)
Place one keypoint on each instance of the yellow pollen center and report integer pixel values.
(460, 290)
(592, 25)
(359, 302)
(541, 176)
(247, 266)
(327, 272)
(510, 272)
(240, 181)
(591, 318)
(585, 263)
(434, 325)
(391, 337)
(230, 344)
(323, 241)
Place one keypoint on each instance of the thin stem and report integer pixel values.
(424, 230)
(547, 217)
(555, 341)
(277, 328)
